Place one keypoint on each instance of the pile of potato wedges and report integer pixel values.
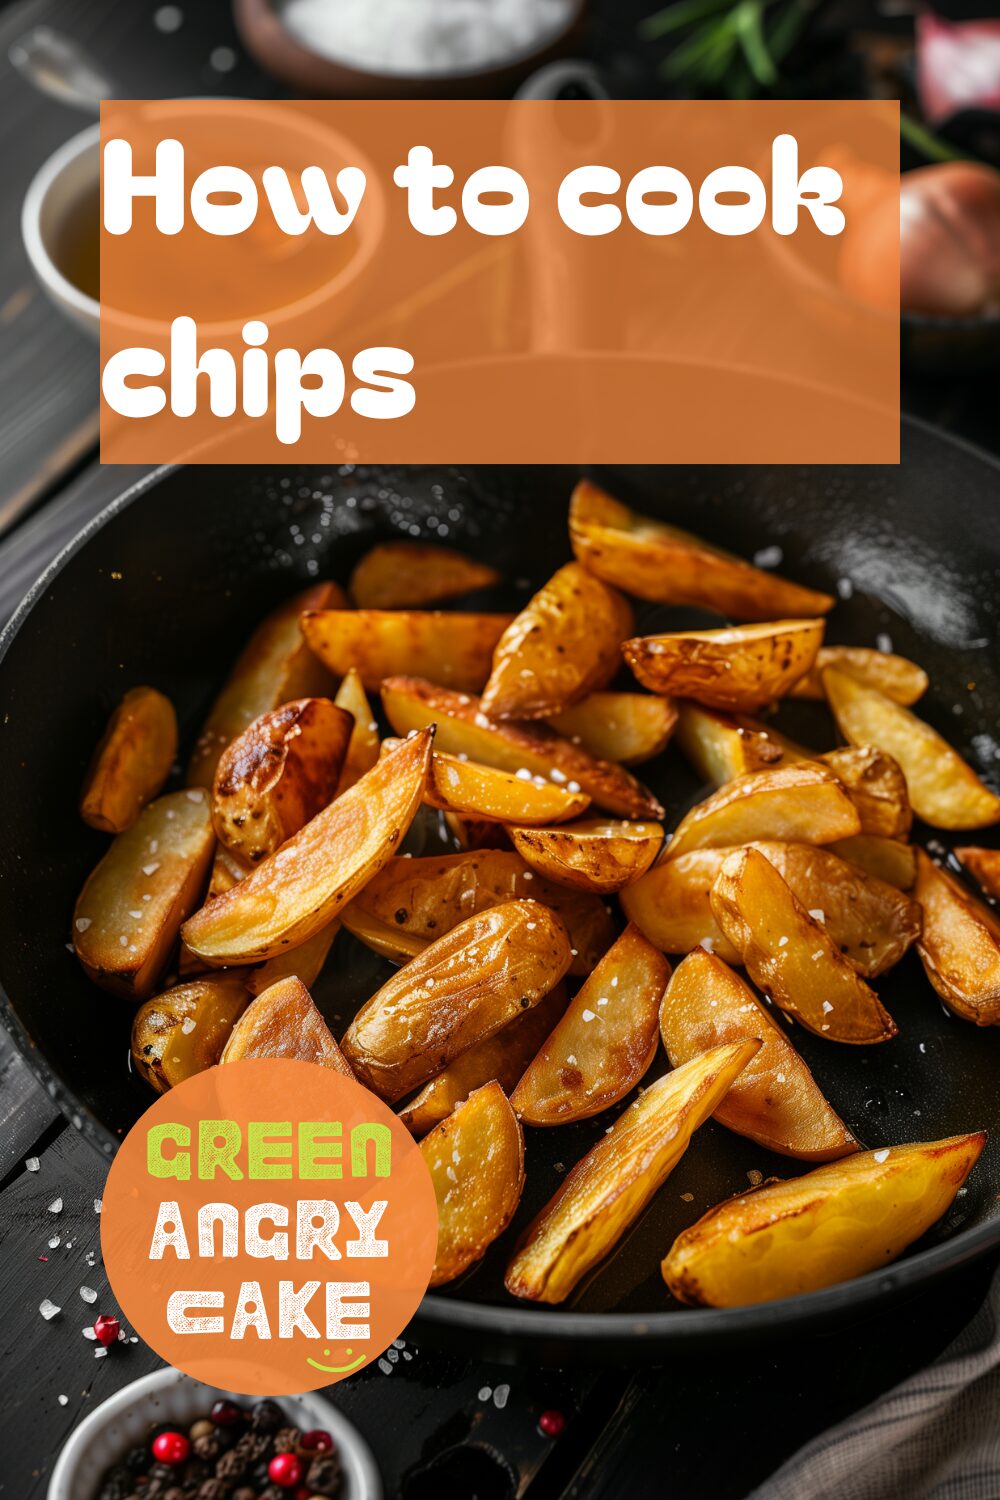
(570, 931)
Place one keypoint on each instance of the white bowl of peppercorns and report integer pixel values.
(167, 1437)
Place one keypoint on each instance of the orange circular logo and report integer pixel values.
(269, 1227)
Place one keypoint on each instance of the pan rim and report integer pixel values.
(539, 1325)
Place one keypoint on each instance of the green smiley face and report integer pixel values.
(337, 1369)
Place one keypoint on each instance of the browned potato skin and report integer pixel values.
(625, 727)
(306, 883)
(413, 575)
(960, 947)
(363, 746)
(565, 643)
(132, 761)
(163, 1052)
(775, 1100)
(884, 859)
(280, 772)
(804, 802)
(901, 680)
(413, 902)
(604, 1044)
(283, 1022)
(463, 729)
(176, 851)
(720, 748)
(594, 856)
(671, 905)
(476, 1161)
(461, 989)
(275, 666)
(477, 791)
(739, 669)
(876, 785)
(453, 649)
(983, 865)
(669, 566)
(502, 1057)
(755, 908)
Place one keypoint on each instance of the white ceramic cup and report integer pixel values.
(168, 1396)
(57, 187)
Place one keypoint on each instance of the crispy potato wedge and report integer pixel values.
(884, 859)
(831, 1225)
(183, 1031)
(802, 803)
(413, 902)
(719, 748)
(502, 1057)
(592, 856)
(132, 761)
(463, 729)
(565, 643)
(227, 871)
(461, 989)
(275, 666)
(671, 905)
(280, 772)
(741, 668)
(306, 883)
(669, 566)
(413, 575)
(944, 790)
(477, 791)
(901, 680)
(283, 1022)
(129, 912)
(304, 962)
(624, 727)
(606, 1192)
(876, 785)
(775, 1100)
(960, 946)
(476, 1161)
(363, 746)
(605, 1042)
(455, 650)
(791, 957)
(983, 865)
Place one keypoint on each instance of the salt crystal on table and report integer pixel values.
(100, 1353)
(884, 642)
(54, 1242)
(63, 1400)
(55, 1207)
(768, 557)
(485, 1392)
(49, 1310)
(97, 1205)
(32, 1164)
(500, 1396)
(88, 1294)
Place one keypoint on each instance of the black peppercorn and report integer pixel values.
(323, 1474)
(267, 1416)
(287, 1440)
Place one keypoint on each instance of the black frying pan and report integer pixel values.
(164, 587)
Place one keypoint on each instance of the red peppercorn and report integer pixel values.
(551, 1423)
(225, 1413)
(171, 1448)
(106, 1330)
(317, 1441)
(303, 1492)
(286, 1470)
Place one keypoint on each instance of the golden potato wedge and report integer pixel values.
(983, 865)
(833, 1224)
(885, 859)
(412, 575)
(476, 1161)
(901, 680)
(455, 650)
(227, 871)
(668, 566)
(280, 772)
(129, 912)
(607, 1191)
(413, 902)
(363, 746)
(283, 1022)
(605, 1042)
(960, 946)
(132, 761)
(671, 905)
(304, 962)
(719, 747)
(477, 791)
(463, 729)
(300, 888)
(183, 1031)
(275, 666)
(791, 957)
(876, 785)
(802, 803)
(775, 1100)
(461, 989)
(565, 643)
(591, 856)
(944, 790)
(741, 668)
(502, 1057)
(624, 727)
